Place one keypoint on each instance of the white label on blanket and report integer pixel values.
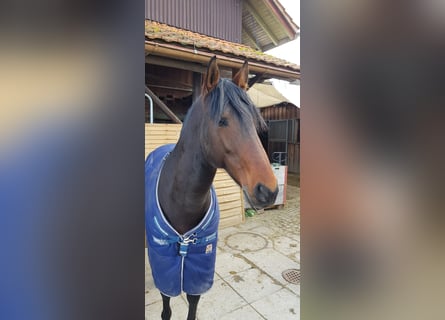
(209, 248)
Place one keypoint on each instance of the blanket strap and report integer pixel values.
(193, 239)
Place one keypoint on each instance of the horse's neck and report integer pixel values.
(185, 184)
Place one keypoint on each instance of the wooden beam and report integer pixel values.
(255, 79)
(289, 26)
(197, 79)
(173, 63)
(187, 54)
(169, 87)
(184, 65)
(261, 22)
(162, 105)
(251, 37)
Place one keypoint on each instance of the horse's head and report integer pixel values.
(231, 135)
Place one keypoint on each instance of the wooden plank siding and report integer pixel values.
(280, 112)
(217, 18)
(229, 193)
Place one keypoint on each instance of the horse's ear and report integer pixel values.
(212, 76)
(241, 78)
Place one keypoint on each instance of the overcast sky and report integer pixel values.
(290, 52)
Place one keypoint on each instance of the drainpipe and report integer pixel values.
(151, 107)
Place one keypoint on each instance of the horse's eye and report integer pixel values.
(223, 122)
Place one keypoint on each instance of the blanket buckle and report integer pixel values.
(183, 244)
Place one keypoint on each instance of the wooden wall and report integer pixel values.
(216, 18)
(157, 134)
(229, 193)
(280, 112)
(285, 112)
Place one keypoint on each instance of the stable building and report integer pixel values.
(282, 141)
(181, 37)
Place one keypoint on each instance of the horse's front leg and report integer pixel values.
(166, 311)
(193, 305)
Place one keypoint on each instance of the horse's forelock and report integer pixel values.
(227, 93)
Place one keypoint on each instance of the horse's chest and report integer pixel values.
(179, 262)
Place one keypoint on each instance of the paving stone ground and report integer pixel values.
(250, 260)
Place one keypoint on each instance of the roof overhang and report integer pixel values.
(193, 50)
(266, 24)
(172, 51)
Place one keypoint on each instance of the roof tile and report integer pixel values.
(162, 32)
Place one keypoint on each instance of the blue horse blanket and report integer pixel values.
(179, 262)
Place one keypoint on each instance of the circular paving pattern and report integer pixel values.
(246, 241)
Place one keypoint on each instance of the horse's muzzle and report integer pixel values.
(264, 196)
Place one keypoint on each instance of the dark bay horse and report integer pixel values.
(220, 131)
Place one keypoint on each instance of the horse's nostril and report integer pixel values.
(264, 195)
